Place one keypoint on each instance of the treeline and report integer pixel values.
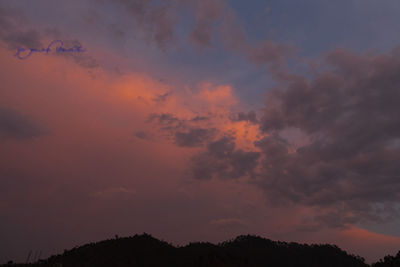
(244, 251)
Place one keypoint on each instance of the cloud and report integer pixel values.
(232, 33)
(155, 20)
(222, 160)
(215, 20)
(243, 116)
(158, 21)
(161, 97)
(199, 118)
(182, 131)
(208, 12)
(13, 34)
(271, 53)
(194, 137)
(167, 121)
(348, 167)
(82, 59)
(15, 125)
(143, 135)
(329, 144)
(222, 95)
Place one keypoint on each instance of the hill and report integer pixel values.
(244, 251)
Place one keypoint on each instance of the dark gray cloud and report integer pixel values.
(158, 20)
(27, 38)
(222, 160)
(199, 119)
(167, 121)
(183, 132)
(155, 20)
(83, 59)
(161, 97)
(194, 137)
(215, 20)
(13, 34)
(250, 116)
(344, 166)
(349, 112)
(143, 135)
(14, 125)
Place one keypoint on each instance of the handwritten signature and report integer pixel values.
(24, 53)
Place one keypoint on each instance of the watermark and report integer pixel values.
(24, 53)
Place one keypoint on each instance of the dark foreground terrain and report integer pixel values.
(144, 250)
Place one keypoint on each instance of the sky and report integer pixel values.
(199, 120)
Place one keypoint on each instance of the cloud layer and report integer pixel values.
(15, 125)
(160, 127)
(331, 143)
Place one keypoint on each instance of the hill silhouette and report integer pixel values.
(244, 251)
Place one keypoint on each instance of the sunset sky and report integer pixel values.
(200, 120)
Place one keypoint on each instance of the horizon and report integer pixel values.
(37, 256)
(199, 120)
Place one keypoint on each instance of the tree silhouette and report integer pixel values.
(242, 251)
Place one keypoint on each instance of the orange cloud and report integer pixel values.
(221, 95)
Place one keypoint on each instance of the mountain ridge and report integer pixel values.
(244, 250)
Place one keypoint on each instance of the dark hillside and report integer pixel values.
(144, 250)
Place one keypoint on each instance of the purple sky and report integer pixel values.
(197, 120)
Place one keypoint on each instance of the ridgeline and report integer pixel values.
(243, 251)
